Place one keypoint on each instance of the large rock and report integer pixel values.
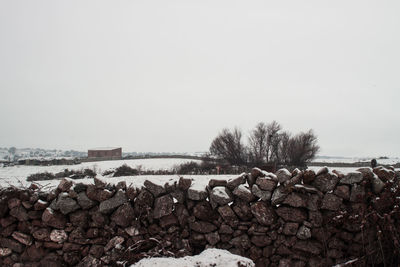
(203, 227)
(283, 175)
(163, 206)
(58, 236)
(326, 182)
(377, 184)
(290, 228)
(290, 214)
(42, 234)
(243, 193)
(124, 215)
(308, 176)
(11, 244)
(357, 193)
(20, 213)
(198, 194)
(65, 185)
(263, 195)
(264, 214)
(266, 183)
(84, 201)
(311, 247)
(352, 178)
(204, 211)
(111, 204)
(228, 215)
(54, 219)
(303, 233)
(278, 196)
(296, 200)
(66, 204)
(220, 195)
(241, 242)
(143, 201)
(22, 238)
(331, 202)
(155, 189)
(184, 183)
(261, 240)
(342, 191)
(235, 182)
(242, 210)
(114, 242)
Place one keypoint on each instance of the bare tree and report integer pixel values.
(258, 144)
(228, 146)
(273, 140)
(302, 148)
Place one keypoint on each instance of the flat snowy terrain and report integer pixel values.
(17, 173)
(208, 258)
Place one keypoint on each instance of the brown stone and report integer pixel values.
(290, 214)
(124, 215)
(228, 215)
(296, 200)
(13, 203)
(22, 238)
(65, 185)
(168, 221)
(290, 228)
(11, 244)
(212, 238)
(111, 204)
(216, 182)
(261, 240)
(155, 189)
(331, 202)
(342, 191)
(204, 211)
(20, 213)
(203, 227)
(264, 214)
(58, 236)
(53, 218)
(235, 182)
(184, 183)
(326, 182)
(308, 176)
(311, 247)
(163, 206)
(115, 241)
(265, 183)
(96, 250)
(241, 242)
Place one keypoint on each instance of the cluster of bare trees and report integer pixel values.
(267, 143)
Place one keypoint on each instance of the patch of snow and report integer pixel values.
(209, 257)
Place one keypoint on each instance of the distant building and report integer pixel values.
(105, 153)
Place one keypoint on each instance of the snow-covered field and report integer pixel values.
(392, 160)
(209, 257)
(13, 174)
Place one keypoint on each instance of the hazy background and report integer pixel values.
(169, 75)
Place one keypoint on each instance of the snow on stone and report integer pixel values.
(209, 257)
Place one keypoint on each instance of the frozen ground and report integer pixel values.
(392, 160)
(17, 173)
(209, 257)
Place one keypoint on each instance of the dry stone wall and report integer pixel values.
(298, 218)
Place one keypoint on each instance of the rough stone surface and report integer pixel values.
(264, 214)
(58, 236)
(66, 204)
(278, 196)
(111, 204)
(203, 227)
(283, 175)
(331, 202)
(326, 182)
(163, 206)
(352, 178)
(155, 189)
(124, 215)
(22, 238)
(243, 193)
(221, 195)
(263, 195)
(265, 183)
(303, 233)
(296, 200)
(84, 201)
(197, 194)
(290, 214)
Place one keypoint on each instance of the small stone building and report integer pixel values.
(105, 153)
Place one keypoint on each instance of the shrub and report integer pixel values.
(125, 170)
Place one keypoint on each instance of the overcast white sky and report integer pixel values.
(169, 75)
